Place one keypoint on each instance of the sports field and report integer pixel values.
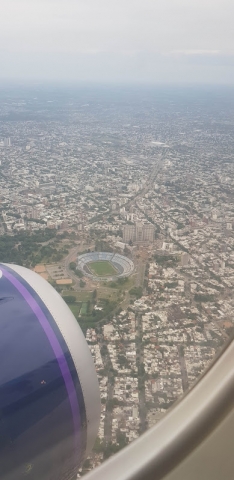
(102, 268)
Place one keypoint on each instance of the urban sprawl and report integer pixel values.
(146, 175)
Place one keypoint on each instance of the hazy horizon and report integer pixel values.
(163, 42)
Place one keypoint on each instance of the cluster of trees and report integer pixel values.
(69, 299)
(112, 403)
(97, 218)
(27, 249)
(120, 281)
(199, 297)
(102, 246)
(123, 360)
(136, 291)
(77, 272)
(91, 317)
(166, 260)
(171, 284)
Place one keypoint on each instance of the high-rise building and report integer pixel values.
(184, 259)
(129, 233)
(148, 232)
(7, 142)
(139, 233)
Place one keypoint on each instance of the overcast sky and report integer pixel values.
(156, 41)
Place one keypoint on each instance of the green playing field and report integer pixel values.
(102, 268)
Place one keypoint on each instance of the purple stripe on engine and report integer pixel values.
(56, 348)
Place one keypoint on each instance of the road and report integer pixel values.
(71, 257)
(141, 382)
(151, 179)
(110, 390)
(183, 368)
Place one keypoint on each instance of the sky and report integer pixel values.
(118, 41)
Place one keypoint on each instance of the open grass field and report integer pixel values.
(81, 296)
(79, 309)
(84, 309)
(75, 308)
(102, 268)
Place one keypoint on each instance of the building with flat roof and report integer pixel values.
(139, 233)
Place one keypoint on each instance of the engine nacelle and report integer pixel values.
(49, 394)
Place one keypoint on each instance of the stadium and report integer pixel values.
(105, 266)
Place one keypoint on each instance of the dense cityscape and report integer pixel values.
(146, 174)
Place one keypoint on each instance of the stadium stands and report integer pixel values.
(123, 265)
